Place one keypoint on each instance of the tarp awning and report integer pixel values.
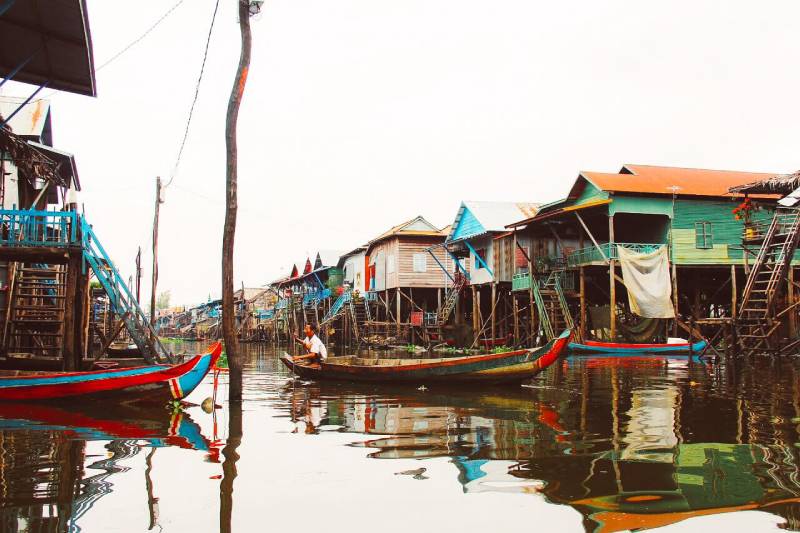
(54, 36)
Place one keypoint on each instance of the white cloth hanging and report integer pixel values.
(647, 280)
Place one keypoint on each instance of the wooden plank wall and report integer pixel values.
(406, 247)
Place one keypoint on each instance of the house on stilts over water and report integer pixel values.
(48, 250)
(691, 230)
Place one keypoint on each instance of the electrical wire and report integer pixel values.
(142, 36)
(196, 94)
(126, 47)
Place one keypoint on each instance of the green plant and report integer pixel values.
(223, 360)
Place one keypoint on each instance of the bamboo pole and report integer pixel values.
(231, 206)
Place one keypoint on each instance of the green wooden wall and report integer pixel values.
(726, 232)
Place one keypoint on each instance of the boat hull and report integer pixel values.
(621, 349)
(516, 365)
(152, 384)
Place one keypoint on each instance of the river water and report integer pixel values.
(590, 445)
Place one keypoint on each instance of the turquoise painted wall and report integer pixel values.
(468, 225)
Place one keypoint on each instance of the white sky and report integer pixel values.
(360, 114)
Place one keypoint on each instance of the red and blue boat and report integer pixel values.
(624, 349)
(156, 384)
(516, 365)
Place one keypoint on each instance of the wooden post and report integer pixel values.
(474, 310)
(675, 299)
(733, 291)
(531, 303)
(231, 207)
(612, 283)
(155, 253)
(790, 300)
(68, 341)
(139, 275)
(582, 326)
(397, 308)
(494, 301)
(515, 311)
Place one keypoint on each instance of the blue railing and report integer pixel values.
(316, 296)
(120, 296)
(591, 254)
(30, 227)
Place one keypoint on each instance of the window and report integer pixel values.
(480, 255)
(703, 236)
(390, 264)
(421, 262)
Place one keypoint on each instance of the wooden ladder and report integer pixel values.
(756, 323)
(450, 299)
(36, 310)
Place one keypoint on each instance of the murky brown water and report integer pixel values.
(594, 445)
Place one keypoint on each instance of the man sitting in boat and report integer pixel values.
(316, 351)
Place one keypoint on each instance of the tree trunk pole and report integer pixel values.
(155, 254)
(228, 312)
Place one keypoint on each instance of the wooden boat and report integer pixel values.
(622, 349)
(516, 365)
(147, 384)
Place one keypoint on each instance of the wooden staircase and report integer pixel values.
(449, 303)
(35, 311)
(756, 321)
(551, 303)
(360, 315)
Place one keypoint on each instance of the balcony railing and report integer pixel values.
(591, 254)
(522, 281)
(28, 227)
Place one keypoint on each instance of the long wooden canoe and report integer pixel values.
(619, 349)
(156, 384)
(516, 365)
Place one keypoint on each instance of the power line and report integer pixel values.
(196, 93)
(142, 36)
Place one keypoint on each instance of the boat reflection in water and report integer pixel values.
(45, 483)
(629, 450)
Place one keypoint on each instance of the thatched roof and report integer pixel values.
(780, 184)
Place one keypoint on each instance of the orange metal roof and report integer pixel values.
(661, 180)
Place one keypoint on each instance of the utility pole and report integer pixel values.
(155, 253)
(138, 275)
(246, 8)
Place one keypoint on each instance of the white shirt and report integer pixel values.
(317, 347)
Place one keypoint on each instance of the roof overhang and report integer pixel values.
(556, 212)
(50, 40)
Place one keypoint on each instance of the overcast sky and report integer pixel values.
(359, 114)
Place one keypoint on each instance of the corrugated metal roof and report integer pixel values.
(492, 216)
(404, 229)
(31, 120)
(54, 39)
(648, 179)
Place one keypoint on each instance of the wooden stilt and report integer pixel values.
(791, 299)
(733, 291)
(494, 315)
(582, 325)
(515, 311)
(68, 339)
(397, 306)
(612, 265)
(675, 299)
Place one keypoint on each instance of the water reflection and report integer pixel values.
(608, 444)
(48, 481)
(629, 445)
